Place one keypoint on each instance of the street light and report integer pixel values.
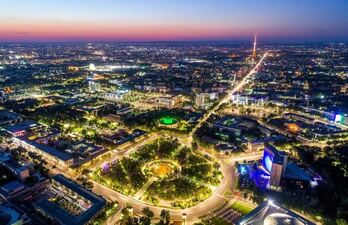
(184, 216)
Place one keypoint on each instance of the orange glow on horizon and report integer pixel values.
(56, 30)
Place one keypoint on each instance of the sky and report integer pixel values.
(172, 20)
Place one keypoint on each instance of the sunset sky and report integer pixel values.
(172, 20)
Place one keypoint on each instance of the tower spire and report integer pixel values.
(254, 49)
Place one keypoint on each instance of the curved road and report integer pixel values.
(216, 199)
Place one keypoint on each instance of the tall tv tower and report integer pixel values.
(254, 50)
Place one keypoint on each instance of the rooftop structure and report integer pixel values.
(87, 205)
(9, 118)
(271, 213)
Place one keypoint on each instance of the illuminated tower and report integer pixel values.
(254, 49)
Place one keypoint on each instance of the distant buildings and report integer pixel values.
(311, 127)
(124, 139)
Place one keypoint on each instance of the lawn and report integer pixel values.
(241, 207)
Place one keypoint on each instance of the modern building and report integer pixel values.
(19, 181)
(76, 205)
(168, 101)
(34, 137)
(283, 173)
(271, 213)
(94, 86)
(19, 170)
(200, 100)
(250, 99)
(275, 163)
(52, 155)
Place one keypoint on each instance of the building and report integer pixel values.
(200, 100)
(9, 118)
(117, 95)
(252, 99)
(94, 86)
(168, 101)
(271, 213)
(3, 97)
(22, 128)
(284, 174)
(275, 163)
(10, 215)
(85, 205)
(34, 137)
(19, 181)
(84, 148)
(19, 170)
(50, 154)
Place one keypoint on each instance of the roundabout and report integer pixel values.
(163, 173)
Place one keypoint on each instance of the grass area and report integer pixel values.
(241, 207)
(227, 193)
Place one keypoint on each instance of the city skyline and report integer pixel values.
(138, 20)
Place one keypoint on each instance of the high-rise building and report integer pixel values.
(200, 100)
(275, 163)
(94, 86)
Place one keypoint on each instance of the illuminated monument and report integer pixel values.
(254, 49)
(275, 163)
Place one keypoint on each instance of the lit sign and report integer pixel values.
(339, 118)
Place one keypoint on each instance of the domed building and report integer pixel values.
(270, 213)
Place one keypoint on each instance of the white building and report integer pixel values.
(200, 100)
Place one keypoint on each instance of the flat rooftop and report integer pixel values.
(63, 216)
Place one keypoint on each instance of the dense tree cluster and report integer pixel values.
(186, 186)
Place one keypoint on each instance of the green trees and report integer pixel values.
(146, 219)
(185, 186)
(165, 217)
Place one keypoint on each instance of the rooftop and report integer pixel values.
(271, 213)
(63, 216)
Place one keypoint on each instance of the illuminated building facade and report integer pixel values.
(200, 100)
(275, 163)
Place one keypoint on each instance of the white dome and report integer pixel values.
(281, 219)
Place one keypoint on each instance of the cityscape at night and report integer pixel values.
(174, 112)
